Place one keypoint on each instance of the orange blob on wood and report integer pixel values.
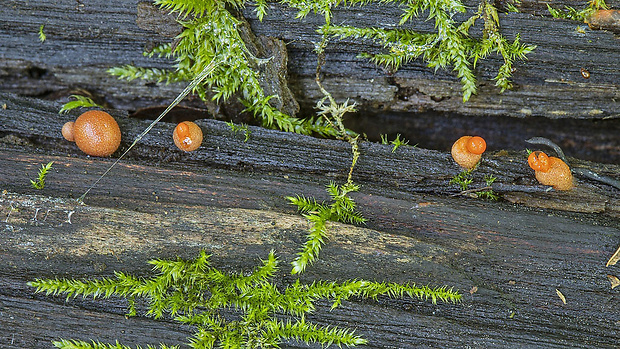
(539, 161)
(467, 151)
(476, 145)
(604, 19)
(67, 131)
(187, 136)
(550, 170)
(95, 132)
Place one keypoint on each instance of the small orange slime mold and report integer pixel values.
(187, 136)
(467, 151)
(95, 132)
(67, 131)
(550, 170)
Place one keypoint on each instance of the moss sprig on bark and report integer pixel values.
(199, 295)
(212, 33)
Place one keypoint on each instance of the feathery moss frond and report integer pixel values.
(305, 205)
(315, 240)
(342, 209)
(129, 73)
(77, 344)
(338, 292)
(195, 293)
(196, 7)
(42, 36)
(311, 333)
(39, 183)
(260, 8)
(73, 288)
(80, 101)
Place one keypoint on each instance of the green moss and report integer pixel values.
(39, 183)
(577, 15)
(466, 177)
(463, 179)
(245, 129)
(212, 33)
(342, 209)
(79, 102)
(42, 36)
(198, 295)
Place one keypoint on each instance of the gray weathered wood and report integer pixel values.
(84, 39)
(228, 198)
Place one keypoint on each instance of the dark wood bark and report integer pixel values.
(228, 198)
(83, 40)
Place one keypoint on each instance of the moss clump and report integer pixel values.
(197, 294)
(213, 33)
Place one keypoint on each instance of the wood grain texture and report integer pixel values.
(84, 39)
(410, 168)
(229, 199)
(548, 84)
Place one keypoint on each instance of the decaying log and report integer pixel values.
(85, 39)
(410, 168)
(508, 257)
(228, 198)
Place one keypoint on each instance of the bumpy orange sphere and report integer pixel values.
(539, 161)
(467, 151)
(67, 131)
(551, 171)
(96, 133)
(476, 145)
(187, 136)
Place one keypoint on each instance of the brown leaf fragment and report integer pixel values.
(614, 259)
(604, 19)
(473, 290)
(615, 282)
(561, 296)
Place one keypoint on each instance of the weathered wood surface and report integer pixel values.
(84, 39)
(228, 198)
(410, 168)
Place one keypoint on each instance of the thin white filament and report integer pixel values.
(198, 79)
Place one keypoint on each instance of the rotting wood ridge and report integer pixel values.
(462, 246)
(548, 87)
(409, 168)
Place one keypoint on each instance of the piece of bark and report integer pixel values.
(515, 256)
(151, 18)
(408, 168)
(549, 83)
